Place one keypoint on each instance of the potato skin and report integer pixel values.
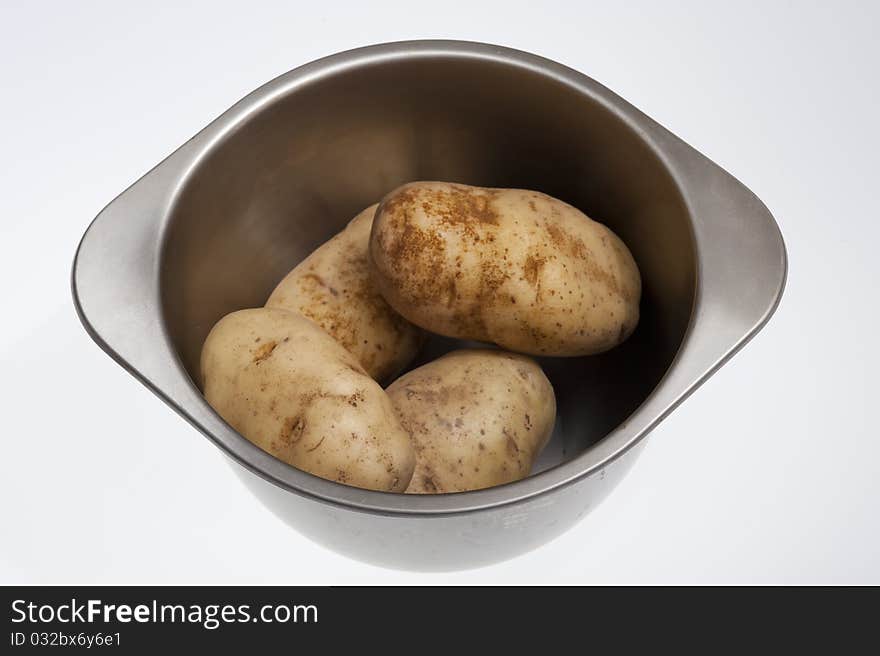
(477, 418)
(333, 288)
(517, 268)
(289, 388)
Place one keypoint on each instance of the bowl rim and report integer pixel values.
(720, 207)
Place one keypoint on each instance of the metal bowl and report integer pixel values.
(213, 227)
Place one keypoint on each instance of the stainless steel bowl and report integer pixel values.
(213, 227)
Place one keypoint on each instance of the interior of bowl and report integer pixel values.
(296, 172)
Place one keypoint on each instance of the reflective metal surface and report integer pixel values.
(213, 227)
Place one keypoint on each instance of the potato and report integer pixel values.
(289, 388)
(517, 268)
(332, 287)
(477, 418)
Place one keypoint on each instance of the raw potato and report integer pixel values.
(517, 268)
(289, 388)
(332, 287)
(477, 418)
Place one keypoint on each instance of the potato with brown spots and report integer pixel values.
(477, 418)
(332, 287)
(289, 388)
(517, 268)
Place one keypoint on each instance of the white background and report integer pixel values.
(769, 473)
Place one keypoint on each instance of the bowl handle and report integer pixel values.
(741, 257)
(115, 279)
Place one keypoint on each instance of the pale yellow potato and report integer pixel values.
(477, 418)
(289, 388)
(517, 268)
(332, 287)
